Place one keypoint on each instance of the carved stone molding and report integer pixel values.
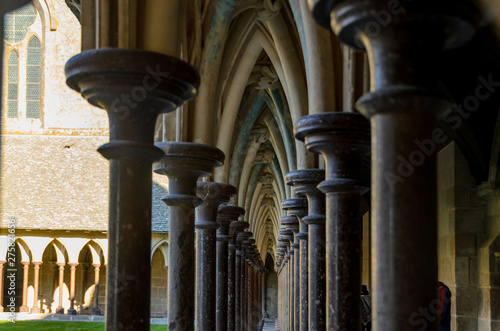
(266, 178)
(268, 9)
(264, 155)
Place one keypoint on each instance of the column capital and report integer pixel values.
(344, 141)
(290, 223)
(183, 164)
(422, 29)
(37, 263)
(73, 264)
(296, 207)
(235, 228)
(227, 214)
(212, 195)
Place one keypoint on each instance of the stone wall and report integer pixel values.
(61, 183)
(461, 232)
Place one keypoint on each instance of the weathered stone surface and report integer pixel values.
(61, 183)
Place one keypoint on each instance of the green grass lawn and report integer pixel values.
(69, 326)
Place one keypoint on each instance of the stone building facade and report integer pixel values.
(426, 74)
(54, 183)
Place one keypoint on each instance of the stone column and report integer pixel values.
(298, 179)
(297, 209)
(96, 310)
(249, 281)
(284, 243)
(183, 163)
(234, 261)
(290, 223)
(288, 235)
(36, 284)
(343, 186)
(123, 82)
(71, 310)
(226, 215)
(244, 279)
(60, 308)
(239, 267)
(24, 308)
(1, 284)
(403, 105)
(213, 195)
(305, 183)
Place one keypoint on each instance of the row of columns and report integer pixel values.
(228, 275)
(403, 107)
(24, 308)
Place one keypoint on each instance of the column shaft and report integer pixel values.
(304, 284)
(222, 259)
(296, 290)
(96, 310)
(343, 233)
(237, 294)
(36, 281)
(71, 310)
(231, 288)
(60, 309)
(129, 270)
(404, 246)
(24, 308)
(181, 271)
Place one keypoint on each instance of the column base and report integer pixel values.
(71, 311)
(35, 310)
(96, 311)
(24, 309)
(60, 310)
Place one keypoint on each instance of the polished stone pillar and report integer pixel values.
(288, 234)
(36, 284)
(291, 224)
(249, 283)
(213, 195)
(239, 267)
(245, 247)
(403, 106)
(297, 209)
(96, 310)
(183, 163)
(24, 308)
(123, 82)
(344, 140)
(235, 228)
(284, 242)
(71, 310)
(305, 184)
(60, 308)
(301, 181)
(225, 216)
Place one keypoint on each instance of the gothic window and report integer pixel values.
(33, 78)
(17, 23)
(13, 85)
(24, 50)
